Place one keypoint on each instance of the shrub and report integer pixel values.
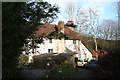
(109, 63)
(40, 62)
(66, 63)
(23, 61)
(58, 60)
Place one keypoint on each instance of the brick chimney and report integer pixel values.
(60, 44)
(61, 26)
(69, 23)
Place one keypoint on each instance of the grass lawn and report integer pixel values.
(62, 72)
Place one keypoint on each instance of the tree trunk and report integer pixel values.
(96, 48)
(116, 35)
(33, 46)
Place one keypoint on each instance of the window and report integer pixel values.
(50, 40)
(50, 50)
(74, 41)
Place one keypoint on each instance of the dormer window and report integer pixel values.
(74, 41)
(50, 40)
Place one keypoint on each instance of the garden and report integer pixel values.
(56, 66)
(109, 65)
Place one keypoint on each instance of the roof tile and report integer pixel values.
(48, 28)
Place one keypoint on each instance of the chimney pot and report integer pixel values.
(69, 23)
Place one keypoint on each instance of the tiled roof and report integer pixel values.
(46, 29)
(86, 46)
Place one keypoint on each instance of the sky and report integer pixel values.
(106, 7)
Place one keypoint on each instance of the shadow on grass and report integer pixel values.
(59, 71)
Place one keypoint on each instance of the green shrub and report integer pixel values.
(66, 63)
(109, 64)
(58, 60)
(23, 61)
(40, 62)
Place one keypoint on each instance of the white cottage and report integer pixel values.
(54, 45)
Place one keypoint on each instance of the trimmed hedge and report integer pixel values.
(40, 61)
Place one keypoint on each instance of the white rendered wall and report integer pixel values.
(43, 47)
(58, 46)
(73, 47)
(85, 53)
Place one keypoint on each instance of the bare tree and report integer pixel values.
(93, 24)
(117, 12)
(81, 19)
(118, 20)
(78, 15)
(108, 29)
(88, 23)
(70, 9)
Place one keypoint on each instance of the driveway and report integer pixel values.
(86, 73)
(33, 73)
(39, 73)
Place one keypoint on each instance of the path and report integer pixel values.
(86, 73)
(33, 73)
(38, 73)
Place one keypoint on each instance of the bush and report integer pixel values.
(23, 61)
(40, 62)
(58, 60)
(66, 63)
(109, 64)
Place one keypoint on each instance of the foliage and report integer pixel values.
(33, 41)
(40, 12)
(72, 25)
(102, 44)
(16, 29)
(23, 61)
(66, 63)
(58, 35)
(109, 64)
(62, 72)
(40, 62)
(58, 60)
